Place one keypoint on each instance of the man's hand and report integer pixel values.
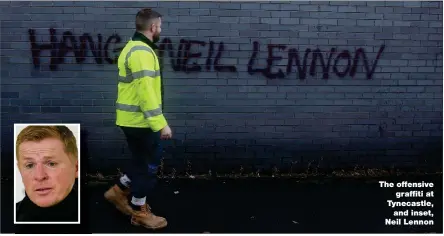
(166, 133)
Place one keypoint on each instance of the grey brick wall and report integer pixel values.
(352, 82)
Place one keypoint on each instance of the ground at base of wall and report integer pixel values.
(265, 206)
(300, 174)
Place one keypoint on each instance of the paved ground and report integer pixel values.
(254, 206)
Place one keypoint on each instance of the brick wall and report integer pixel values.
(352, 82)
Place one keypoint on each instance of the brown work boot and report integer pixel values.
(147, 219)
(118, 197)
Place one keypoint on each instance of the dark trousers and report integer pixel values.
(146, 152)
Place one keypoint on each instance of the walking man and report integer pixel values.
(139, 115)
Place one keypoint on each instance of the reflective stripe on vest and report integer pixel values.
(130, 77)
(134, 108)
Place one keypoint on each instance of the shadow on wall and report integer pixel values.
(203, 161)
(7, 164)
(433, 156)
(92, 165)
(84, 153)
(7, 156)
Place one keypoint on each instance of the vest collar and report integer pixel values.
(140, 37)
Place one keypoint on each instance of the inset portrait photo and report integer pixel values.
(47, 174)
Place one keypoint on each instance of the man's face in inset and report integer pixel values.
(48, 173)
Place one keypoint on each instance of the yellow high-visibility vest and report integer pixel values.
(139, 97)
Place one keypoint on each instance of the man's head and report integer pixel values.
(149, 23)
(47, 158)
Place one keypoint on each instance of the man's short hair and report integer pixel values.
(36, 133)
(145, 18)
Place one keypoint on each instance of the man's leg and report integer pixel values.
(118, 194)
(143, 179)
(124, 182)
(154, 159)
(137, 138)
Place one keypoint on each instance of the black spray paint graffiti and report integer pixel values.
(180, 61)
(68, 43)
(293, 57)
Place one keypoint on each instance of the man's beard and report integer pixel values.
(156, 38)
